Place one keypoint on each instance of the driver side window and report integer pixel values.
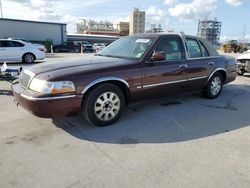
(172, 47)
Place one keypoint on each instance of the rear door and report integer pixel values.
(167, 76)
(2, 50)
(200, 64)
(15, 51)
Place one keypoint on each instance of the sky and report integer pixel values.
(176, 15)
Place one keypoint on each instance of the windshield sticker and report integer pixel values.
(142, 40)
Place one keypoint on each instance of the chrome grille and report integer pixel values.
(24, 79)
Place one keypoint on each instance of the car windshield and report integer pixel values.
(132, 47)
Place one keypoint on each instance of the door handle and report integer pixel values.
(211, 63)
(2, 49)
(183, 66)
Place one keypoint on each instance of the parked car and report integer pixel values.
(98, 46)
(16, 50)
(130, 69)
(67, 47)
(87, 47)
(40, 46)
(243, 64)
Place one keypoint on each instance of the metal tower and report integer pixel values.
(210, 30)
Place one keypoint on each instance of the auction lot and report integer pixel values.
(181, 141)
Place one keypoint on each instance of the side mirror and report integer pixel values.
(158, 56)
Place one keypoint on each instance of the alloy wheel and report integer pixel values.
(107, 106)
(216, 85)
(28, 58)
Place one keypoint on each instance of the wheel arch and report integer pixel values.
(121, 83)
(222, 71)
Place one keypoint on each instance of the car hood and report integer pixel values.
(79, 64)
(245, 56)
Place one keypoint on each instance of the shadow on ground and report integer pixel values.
(169, 120)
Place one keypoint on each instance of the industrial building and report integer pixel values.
(92, 38)
(210, 30)
(102, 28)
(33, 30)
(137, 22)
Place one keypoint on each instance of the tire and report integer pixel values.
(28, 58)
(103, 105)
(214, 86)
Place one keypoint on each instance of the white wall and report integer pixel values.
(33, 31)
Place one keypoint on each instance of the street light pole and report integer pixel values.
(1, 8)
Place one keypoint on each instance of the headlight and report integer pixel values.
(44, 87)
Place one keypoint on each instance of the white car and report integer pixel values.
(243, 64)
(17, 50)
(98, 46)
(27, 41)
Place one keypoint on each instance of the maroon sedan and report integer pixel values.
(132, 68)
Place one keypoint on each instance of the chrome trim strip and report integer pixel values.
(164, 83)
(201, 58)
(197, 78)
(218, 69)
(172, 82)
(46, 98)
(103, 80)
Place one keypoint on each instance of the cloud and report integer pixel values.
(170, 2)
(195, 9)
(235, 3)
(156, 16)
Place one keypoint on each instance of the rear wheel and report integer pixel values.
(28, 58)
(103, 105)
(214, 86)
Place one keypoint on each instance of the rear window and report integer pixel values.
(14, 44)
(193, 48)
(204, 50)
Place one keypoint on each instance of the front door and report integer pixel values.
(162, 78)
(15, 51)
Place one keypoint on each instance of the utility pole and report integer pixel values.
(1, 8)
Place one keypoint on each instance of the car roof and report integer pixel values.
(13, 40)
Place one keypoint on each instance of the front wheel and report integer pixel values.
(214, 86)
(103, 105)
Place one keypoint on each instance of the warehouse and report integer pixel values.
(41, 32)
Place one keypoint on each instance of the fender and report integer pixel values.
(100, 80)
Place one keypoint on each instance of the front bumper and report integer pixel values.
(47, 107)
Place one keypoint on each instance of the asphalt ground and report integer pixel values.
(179, 141)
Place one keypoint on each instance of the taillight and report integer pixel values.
(43, 49)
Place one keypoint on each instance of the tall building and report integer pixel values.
(137, 22)
(210, 30)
